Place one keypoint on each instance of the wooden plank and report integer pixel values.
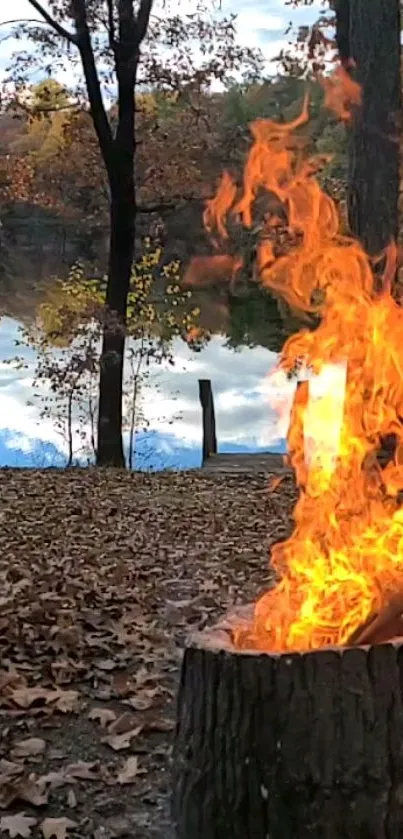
(237, 463)
(209, 429)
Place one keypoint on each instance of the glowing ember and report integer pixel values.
(344, 560)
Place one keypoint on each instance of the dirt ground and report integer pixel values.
(103, 575)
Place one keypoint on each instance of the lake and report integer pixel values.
(246, 420)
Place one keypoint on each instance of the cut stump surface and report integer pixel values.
(289, 746)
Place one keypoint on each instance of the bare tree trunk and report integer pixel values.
(110, 442)
(368, 37)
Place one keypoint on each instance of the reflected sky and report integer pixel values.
(242, 393)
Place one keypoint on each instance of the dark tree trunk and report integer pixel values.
(368, 40)
(368, 37)
(122, 239)
(299, 746)
(110, 443)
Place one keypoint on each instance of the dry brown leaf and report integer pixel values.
(64, 700)
(106, 664)
(53, 780)
(24, 697)
(122, 741)
(56, 828)
(17, 825)
(123, 683)
(130, 771)
(81, 771)
(29, 748)
(10, 677)
(126, 722)
(7, 767)
(142, 701)
(104, 715)
(21, 790)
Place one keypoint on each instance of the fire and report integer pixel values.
(342, 93)
(344, 559)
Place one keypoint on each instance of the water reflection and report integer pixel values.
(245, 420)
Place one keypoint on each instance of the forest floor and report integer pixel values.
(102, 576)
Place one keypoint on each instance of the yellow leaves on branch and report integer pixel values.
(157, 306)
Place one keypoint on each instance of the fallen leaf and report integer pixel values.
(126, 722)
(104, 715)
(106, 664)
(64, 700)
(56, 828)
(53, 780)
(121, 741)
(7, 767)
(21, 790)
(25, 697)
(130, 771)
(18, 825)
(143, 701)
(122, 683)
(29, 748)
(81, 771)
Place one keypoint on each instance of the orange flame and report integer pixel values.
(344, 559)
(342, 93)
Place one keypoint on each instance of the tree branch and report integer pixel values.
(64, 33)
(98, 112)
(142, 20)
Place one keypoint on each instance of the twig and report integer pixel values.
(64, 33)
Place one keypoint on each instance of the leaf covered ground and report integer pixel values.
(102, 576)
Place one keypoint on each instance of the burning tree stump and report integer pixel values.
(289, 746)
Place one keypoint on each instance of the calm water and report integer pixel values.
(245, 420)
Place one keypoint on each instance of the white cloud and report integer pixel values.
(261, 23)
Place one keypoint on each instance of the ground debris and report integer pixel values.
(94, 611)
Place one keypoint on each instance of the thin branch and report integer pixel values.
(64, 33)
(22, 20)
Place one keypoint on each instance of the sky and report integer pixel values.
(260, 23)
(244, 415)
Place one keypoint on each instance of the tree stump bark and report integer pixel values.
(289, 746)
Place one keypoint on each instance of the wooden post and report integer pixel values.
(209, 431)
